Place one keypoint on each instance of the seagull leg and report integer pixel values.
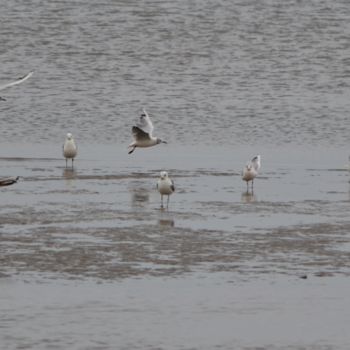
(72, 162)
(133, 149)
(161, 201)
(66, 162)
(167, 203)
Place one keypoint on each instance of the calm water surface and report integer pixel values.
(89, 261)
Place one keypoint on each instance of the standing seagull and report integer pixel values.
(16, 82)
(70, 149)
(165, 186)
(142, 133)
(251, 169)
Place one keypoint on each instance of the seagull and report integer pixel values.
(142, 133)
(70, 149)
(7, 181)
(251, 169)
(165, 186)
(16, 82)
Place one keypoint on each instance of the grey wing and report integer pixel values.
(8, 181)
(145, 123)
(256, 162)
(172, 185)
(18, 81)
(139, 134)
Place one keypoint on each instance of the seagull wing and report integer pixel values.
(18, 81)
(256, 162)
(145, 123)
(172, 186)
(139, 134)
(8, 181)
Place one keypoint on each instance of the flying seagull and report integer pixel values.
(165, 186)
(16, 82)
(7, 181)
(142, 133)
(70, 149)
(251, 169)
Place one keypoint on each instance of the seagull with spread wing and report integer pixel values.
(250, 171)
(142, 133)
(16, 82)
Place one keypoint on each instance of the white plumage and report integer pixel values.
(16, 82)
(70, 148)
(250, 171)
(142, 133)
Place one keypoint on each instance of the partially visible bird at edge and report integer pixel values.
(13, 83)
(7, 181)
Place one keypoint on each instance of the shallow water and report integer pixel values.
(90, 251)
(203, 312)
(88, 258)
(103, 218)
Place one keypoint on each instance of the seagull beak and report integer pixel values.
(164, 142)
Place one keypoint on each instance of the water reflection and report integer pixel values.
(166, 222)
(248, 197)
(139, 195)
(69, 175)
(166, 219)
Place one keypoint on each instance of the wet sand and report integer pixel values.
(91, 247)
(87, 258)
(210, 311)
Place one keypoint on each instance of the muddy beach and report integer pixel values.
(88, 260)
(219, 257)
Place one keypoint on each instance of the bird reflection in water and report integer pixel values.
(69, 175)
(139, 196)
(166, 220)
(248, 197)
